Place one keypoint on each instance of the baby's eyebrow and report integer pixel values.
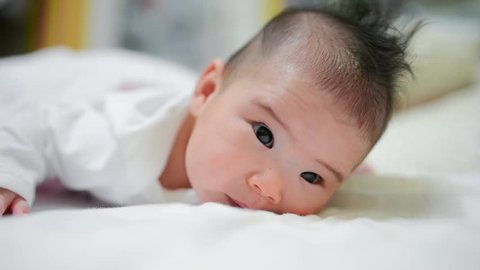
(338, 175)
(272, 113)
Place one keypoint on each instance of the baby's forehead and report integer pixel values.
(332, 92)
(328, 65)
(327, 73)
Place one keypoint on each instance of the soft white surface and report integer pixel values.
(422, 222)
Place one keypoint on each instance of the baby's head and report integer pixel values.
(290, 115)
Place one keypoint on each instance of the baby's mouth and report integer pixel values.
(235, 203)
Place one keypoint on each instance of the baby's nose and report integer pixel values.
(268, 185)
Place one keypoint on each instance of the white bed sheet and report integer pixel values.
(375, 222)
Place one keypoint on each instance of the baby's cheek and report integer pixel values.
(235, 140)
(310, 201)
(236, 132)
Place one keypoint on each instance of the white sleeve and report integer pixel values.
(114, 148)
(22, 164)
(75, 144)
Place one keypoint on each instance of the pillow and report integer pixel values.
(443, 55)
(440, 136)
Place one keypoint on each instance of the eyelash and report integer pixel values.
(310, 177)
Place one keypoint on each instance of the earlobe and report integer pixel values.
(207, 85)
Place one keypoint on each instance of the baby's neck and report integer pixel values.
(174, 176)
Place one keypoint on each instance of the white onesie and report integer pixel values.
(99, 121)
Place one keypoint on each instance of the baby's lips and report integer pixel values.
(240, 204)
(235, 203)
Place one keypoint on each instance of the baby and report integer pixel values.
(278, 127)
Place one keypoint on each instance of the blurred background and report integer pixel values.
(188, 31)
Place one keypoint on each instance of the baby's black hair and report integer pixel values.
(351, 50)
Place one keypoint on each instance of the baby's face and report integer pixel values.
(270, 141)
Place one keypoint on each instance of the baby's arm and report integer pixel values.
(11, 202)
(76, 144)
(88, 144)
(22, 160)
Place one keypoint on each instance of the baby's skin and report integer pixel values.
(10, 202)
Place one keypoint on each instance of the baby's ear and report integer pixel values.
(207, 86)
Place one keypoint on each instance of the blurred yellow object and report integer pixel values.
(59, 22)
(270, 8)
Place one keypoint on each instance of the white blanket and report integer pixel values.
(376, 222)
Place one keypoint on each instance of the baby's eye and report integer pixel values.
(264, 135)
(312, 178)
